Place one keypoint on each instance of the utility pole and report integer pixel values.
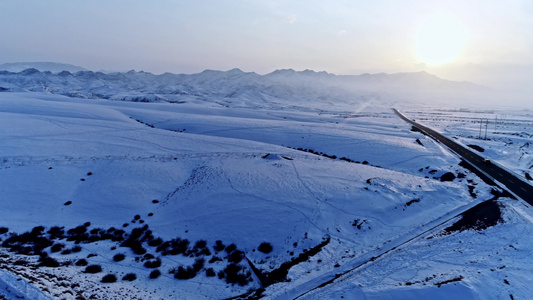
(486, 126)
(480, 124)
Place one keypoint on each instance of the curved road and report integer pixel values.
(510, 181)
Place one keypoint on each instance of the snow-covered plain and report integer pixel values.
(203, 171)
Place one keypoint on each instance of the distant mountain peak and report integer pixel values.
(292, 72)
(282, 72)
(53, 67)
(235, 70)
(29, 71)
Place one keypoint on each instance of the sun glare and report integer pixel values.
(440, 39)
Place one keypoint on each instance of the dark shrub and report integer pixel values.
(221, 274)
(136, 233)
(214, 259)
(57, 247)
(198, 264)
(236, 256)
(265, 248)
(135, 246)
(39, 243)
(155, 201)
(118, 235)
(75, 249)
(147, 236)
(137, 217)
(37, 231)
(152, 264)
(133, 242)
(154, 274)
(448, 176)
(3, 230)
(174, 247)
(119, 257)
(68, 203)
(93, 269)
(87, 224)
(230, 248)
(56, 232)
(184, 273)
(200, 244)
(66, 252)
(200, 248)
(205, 251)
(48, 262)
(210, 272)
(77, 230)
(20, 262)
(129, 277)
(28, 243)
(155, 242)
(119, 232)
(109, 278)
(235, 275)
(150, 214)
(81, 262)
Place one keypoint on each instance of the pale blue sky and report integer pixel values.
(338, 36)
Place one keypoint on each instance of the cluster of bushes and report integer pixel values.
(41, 242)
(150, 125)
(136, 239)
(280, 274)
(330, 156)
(28, 243)
(144, 123)
(235, 274)
(358, 223)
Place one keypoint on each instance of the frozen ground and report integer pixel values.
(339, 184)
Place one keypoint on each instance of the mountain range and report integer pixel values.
(233, 87)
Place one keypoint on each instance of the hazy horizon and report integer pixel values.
(489, 43)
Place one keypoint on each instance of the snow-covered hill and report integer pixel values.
(224, 200)
(236, 88)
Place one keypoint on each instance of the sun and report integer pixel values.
(440, 39)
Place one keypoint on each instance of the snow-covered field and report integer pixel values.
(220, 198)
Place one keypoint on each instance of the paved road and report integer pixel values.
(509, 180)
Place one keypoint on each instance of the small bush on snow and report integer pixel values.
(109, 278)
(152, 264)
(265, 248)
(119, 257)
(92, 269)
(81, 262)
(154, 274)
(129, 277)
